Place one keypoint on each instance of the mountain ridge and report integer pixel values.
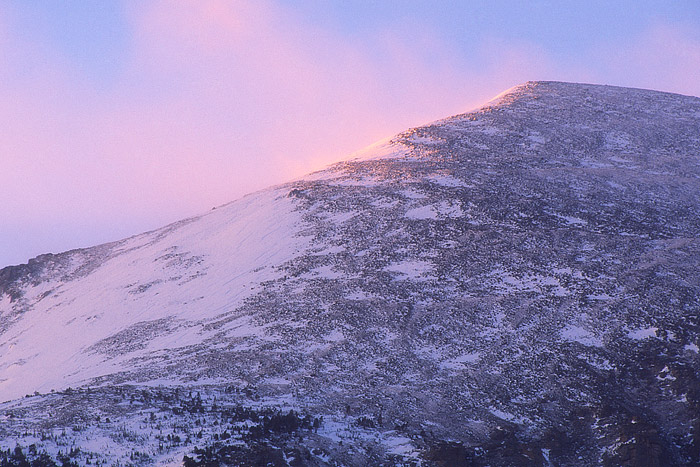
(493, 102)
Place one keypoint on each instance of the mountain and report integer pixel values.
(517, 285)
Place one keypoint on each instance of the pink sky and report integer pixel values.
(215, 99)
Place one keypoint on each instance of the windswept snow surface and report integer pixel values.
(517, 285)
(148, 295)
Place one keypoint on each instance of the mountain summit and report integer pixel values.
(517, 285)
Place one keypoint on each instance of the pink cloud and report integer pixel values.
(219, 98)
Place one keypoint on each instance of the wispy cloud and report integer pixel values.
(664, 57)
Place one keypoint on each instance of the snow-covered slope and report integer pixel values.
(97, 311)
(515, 285)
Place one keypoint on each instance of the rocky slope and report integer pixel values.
(513, 286)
